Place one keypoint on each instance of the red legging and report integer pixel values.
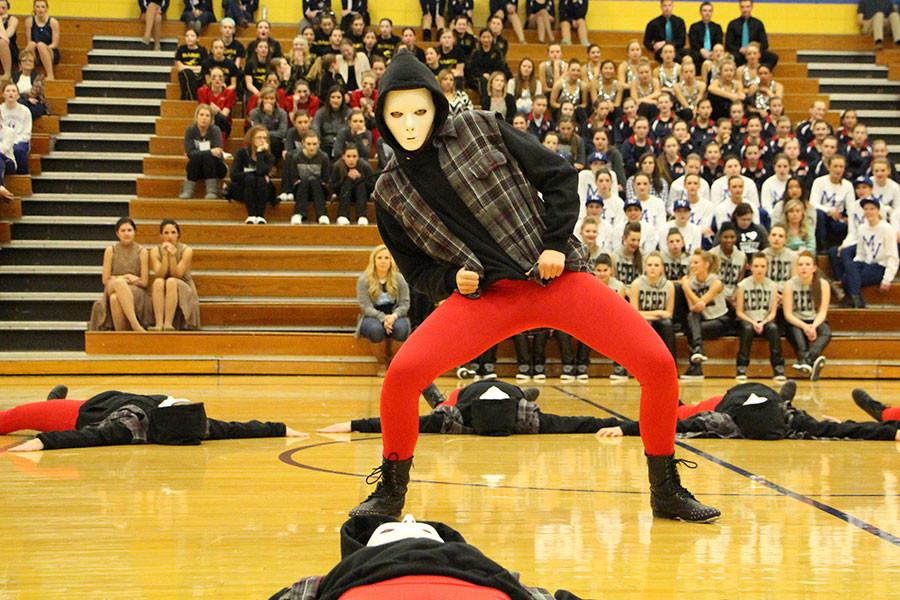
(689, 410)
(576, 303)
(49, 415)
(891, 414)
(433, 587)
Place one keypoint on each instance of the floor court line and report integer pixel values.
(826, 508)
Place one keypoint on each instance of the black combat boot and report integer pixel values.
(668, 498)
(58, 392)
(390, 494)
(870, 405)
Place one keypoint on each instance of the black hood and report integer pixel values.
(406, 73)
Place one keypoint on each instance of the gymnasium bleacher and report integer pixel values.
(281, 299)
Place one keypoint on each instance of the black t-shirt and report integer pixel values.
(467, 43)
(449, 60)
(258, 72)
(357, 40)
(386, 47)
(274, 47)
(322, 45)
(192, 57)
(225, 64)
(234, 51)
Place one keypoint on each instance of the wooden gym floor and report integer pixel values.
(242, 519)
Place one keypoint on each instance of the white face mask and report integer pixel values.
(406, 529)
(409, 115)
(170, 401)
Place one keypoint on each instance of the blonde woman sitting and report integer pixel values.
(383, 296)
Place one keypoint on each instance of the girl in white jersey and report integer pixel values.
(831, 195)
(805, 301)
(756, 308)
(707, 316)
(653, 296)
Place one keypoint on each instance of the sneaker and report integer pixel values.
(741, 374)
(788, 391)
(261, 221)
(343, 221)
(323, 220)
(487, 372)
(362, 221)
(285, 197)
(523, 377)
(815, 371)
(464, 372)
(296, 220)
(250, 221)
(568, 374)
(619, 373)
(698, 358)
(540, 373)
(693, 373)
(523, 373)
(778, 374)
(581, 373)
(802, 366)
(867, 403)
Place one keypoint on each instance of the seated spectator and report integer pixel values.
(520, 122)
(263, 33)
(539, 15)
(539, 121)
(795, 189)
(781, 259)
(628, 67)
(218, 59)
(870, 17)
(553, 69)
(302, 124)
(305, 178)
(497, 99)
(350, 179)
(330, 119)
(234, 49)
(732, 261)
(707, 316)
(572, 15)
(507, 10)
(691, 234)
(271, 82)
(645, 89)
(176, 305)
(751, 237)
(704, 35)
(676, 259)
(801, 233)
(628, 263)
(458, 99)
(701, 209)
(386, 42)
(637, 145)
(805, 300)
(667, 28)
(197, 14)
(203, 145)
(725, 90)
(597, 235)
(220, 100)
(383, 296)
(485, 59)
(316, 11)
(433, 60)
(300, 59)
(858, 152)
(351, 65)
(124, 304)
(748, 73)
(240, 11)
(42, 36)
(606, 88)
(571, 143)
(653, 208)
(303, 99)
(746, 29)
(189, 59)
(709, 70)
(327, 75)
(408, 42)
(832, 195)
(721, 189)
(589, 187)
(885, 189)
(689, 92)
(756, 309)
(647, 165)
(653, 296)
(355, 134)
(274, 118)
(250, 175)
(495, 26)
(354, 20)
(524, 86)
(677, 190)
(450, 56)
(9, 50)
(7, 159)
(322, 31)
(432, 12)
(17, 118)
(570, 88)
(31, 86)
(869, 259)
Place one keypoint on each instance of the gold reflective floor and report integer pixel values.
(241, 519)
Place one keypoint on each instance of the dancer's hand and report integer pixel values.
(29, 446)
(336, 428)
(610, 432)
(288, 432)
(551, 264)
(466, 281)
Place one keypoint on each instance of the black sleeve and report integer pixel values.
(554, 178)
(431, 423)
(689, 425)
(679, 33)
(111, 434)
(437, 280)
(560, 424)
(265, 162)
(233, 430)
(650, 35)
(237, 166)
(733, 37)
(695, 36)
(763, 38)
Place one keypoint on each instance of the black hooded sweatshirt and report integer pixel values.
(547, 172)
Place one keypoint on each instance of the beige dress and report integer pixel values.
(125, 260)
(187, 315)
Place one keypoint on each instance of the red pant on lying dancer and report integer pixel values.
(459, 207)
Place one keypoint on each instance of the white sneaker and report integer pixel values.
(362, 221)
(261, 221)
(285, 197)
(296, 220)
(343, 221)
(250, 221)
(323, 220)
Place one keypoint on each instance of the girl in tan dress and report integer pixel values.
(175, 301)
(125, 275)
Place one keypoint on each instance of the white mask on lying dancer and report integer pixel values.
(409, 115)
(406, 529)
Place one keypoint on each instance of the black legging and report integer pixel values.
(356, 192)
(203, 165)
(189, 83)
(569, 353)
(255, 192)
(665, 329)
(808, 352)
(224, 124)
(770, 332)
(697, 329)
(306, 190)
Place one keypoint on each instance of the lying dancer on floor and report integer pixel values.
(112, 418)
(486, 408)
(479, 213)
(383, 559)
(755, 411)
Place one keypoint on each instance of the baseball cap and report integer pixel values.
(681, 204)
(863, 180)
(597, 156)
(633, 202)
(869, 200)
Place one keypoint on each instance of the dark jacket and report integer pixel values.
(696, 35)
(656, 31)
(735, 28)
(510, 106)
(299, 167)
(481, 62)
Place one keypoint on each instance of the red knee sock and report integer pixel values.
(709, 404)
(891, 414)
(49, 415)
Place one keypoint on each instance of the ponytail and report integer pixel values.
(816, 283)
(637, 261)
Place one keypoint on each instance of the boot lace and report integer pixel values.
(676, 479)
(377, 473)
